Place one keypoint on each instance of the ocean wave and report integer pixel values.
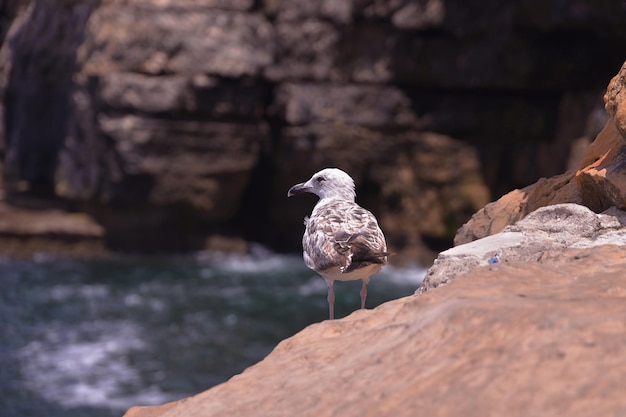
(405, 276)
(258, 259)
(89, 371)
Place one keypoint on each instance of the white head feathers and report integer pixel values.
(329, 183)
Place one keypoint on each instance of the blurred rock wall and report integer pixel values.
(175, 120)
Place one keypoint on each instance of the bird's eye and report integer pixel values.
(320, 179)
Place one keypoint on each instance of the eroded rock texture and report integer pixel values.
(172, 121)
(598, 183)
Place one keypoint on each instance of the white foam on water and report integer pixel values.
(62, 292)
(260, 259)
(314, 285)
(89, 373)
(404, 276)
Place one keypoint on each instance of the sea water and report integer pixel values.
(92, 338)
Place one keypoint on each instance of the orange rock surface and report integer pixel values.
(543, 338)
(599, 184)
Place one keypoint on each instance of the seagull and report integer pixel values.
(342, 241)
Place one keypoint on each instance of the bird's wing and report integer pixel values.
(343, 234)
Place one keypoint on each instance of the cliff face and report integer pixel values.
(525, 320)
(171, 121)
(599, 182)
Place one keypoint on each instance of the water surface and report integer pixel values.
(92, 338)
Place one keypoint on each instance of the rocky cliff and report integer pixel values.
(172, 123)
(528, 319)
(599, 182)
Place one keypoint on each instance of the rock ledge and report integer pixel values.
(537, 333)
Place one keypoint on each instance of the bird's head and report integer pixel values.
(328, 183)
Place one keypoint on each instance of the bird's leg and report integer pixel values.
(363, 293)
(331, 299)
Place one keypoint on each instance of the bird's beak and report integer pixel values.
(299, 189)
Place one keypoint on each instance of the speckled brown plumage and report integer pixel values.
(342, 241)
